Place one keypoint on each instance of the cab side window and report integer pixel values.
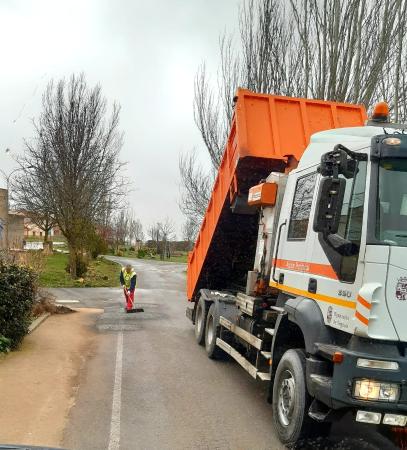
(350, 225)
(301, 207)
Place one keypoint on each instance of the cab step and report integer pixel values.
(264, 376)
(266, 355)
(237, 357)
(278, 309)
(269, 331)
(252, 370)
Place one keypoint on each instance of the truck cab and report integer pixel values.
(339, 271)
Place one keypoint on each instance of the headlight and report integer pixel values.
(392, 141)
(368, 417)
(365, 389)
(395, 420)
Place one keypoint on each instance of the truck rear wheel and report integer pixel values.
(291, 399)
(211, 333)
(200, 321)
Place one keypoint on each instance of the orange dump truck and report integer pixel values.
(269, 133)
(286, 273)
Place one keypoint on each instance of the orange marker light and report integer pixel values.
(381, 112)
(337, 357)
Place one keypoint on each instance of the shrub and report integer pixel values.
(151, 251)
(132, 249)
(141, 253)
(5, 344)
(17, 296)
(97, 245)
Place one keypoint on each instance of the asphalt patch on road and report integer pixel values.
(115, 318)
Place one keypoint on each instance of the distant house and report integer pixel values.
(33, 230)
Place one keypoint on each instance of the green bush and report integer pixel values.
(5, 344)
(141, 253)
(150, 251)
(132, 249)
(17, 296)
(97, 245)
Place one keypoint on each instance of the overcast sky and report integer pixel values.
(144, 53)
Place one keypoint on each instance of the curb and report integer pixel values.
(37, 322)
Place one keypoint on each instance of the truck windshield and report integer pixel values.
(391, 222)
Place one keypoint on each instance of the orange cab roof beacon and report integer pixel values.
(266, 133)
(381, 112)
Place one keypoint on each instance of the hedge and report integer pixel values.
(17, 297)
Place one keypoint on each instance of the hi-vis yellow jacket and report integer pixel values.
(128, 279)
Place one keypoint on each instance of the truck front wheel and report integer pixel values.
(290, 398)
(200, 321)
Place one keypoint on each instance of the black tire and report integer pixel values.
(291, 399)
(212, 332)
(200, 321)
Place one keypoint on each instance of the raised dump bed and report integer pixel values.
(268, 133)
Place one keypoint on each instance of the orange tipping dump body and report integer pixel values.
(265, 131)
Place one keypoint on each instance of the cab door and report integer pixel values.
(292, 264)
(340, 274)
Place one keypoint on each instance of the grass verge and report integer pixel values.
(101, 273)
(180, 257)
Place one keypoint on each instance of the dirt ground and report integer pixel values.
(39, 381)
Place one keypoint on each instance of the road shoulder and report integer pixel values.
(38, 383)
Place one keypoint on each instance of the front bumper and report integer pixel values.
(335, 389)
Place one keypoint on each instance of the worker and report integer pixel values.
(128, 278)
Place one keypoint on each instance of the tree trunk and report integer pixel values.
(46, 235)
(73, 261)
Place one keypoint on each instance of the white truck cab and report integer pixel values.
(357, 274)
(340, 258)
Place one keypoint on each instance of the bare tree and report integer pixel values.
(209, 117)
(30, 197)
(167, 230)
(136, 231)
(35, 208)
(332, 50)
(189, 232)
(195, 186)
(120, 226)
(154, 233)
(74, 157)
(342, 59)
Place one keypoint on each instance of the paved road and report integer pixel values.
(148, 385)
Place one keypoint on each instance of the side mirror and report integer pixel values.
(329, 205)
(337, 162)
